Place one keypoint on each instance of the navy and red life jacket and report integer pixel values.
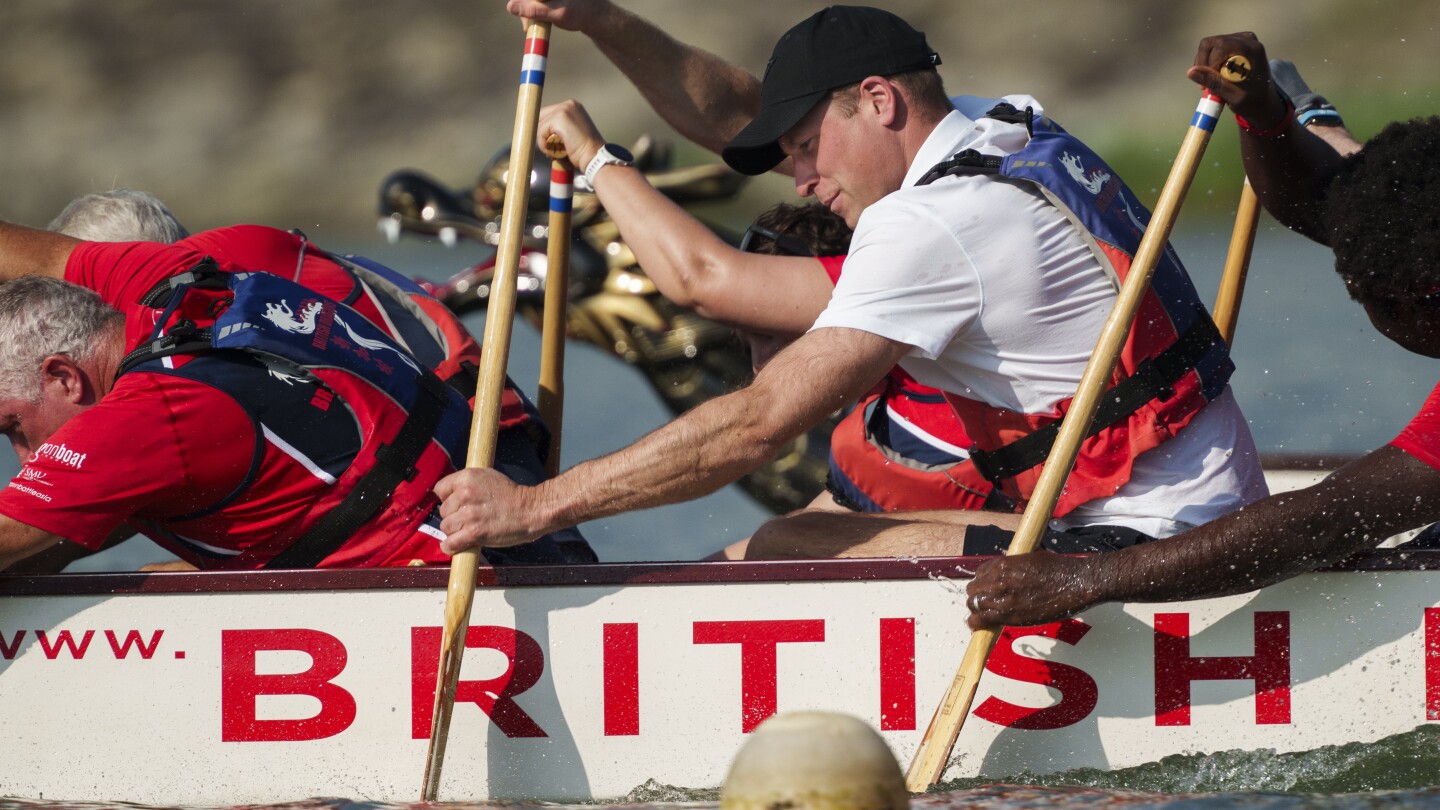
(435, 336)
(317, 378)
(1173, 363)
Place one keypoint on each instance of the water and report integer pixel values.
(1313, 377)
(1400, 771)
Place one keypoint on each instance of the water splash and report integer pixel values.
(1409, 761)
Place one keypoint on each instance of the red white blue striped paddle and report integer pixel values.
(484, 433)
(550, 399)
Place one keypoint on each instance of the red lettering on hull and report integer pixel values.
(240, 685)
(525, 663)
(1269, 668)
(64, 640)
(1078, 692)
(1432, 663)
(9, 648)
(622, 680)
(758, 640)
(897, 674)
(132, 639)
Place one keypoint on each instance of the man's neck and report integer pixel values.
(915, 136)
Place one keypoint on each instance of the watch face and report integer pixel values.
(620, 152)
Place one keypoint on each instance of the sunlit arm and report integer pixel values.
(33, 252)
(705, 98)
(710, 446)
(721, 440)
(26, 549)
(688, 262)
(697, 269)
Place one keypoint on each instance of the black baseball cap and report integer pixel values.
(837, 46)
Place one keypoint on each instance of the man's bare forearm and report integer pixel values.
(705, 98)
(32, 252)
(724, 438)
(21, 542)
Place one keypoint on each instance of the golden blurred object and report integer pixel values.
(1236, 69)
(555, 147)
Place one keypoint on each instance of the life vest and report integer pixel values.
(1174, 360)
(339, 395)
(878, 466)
(433, 334)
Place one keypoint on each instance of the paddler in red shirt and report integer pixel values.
(232, 456)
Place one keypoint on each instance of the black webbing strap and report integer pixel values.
(206, 274)
(183, 338)
(1010, 114)
(394, 463)
(1153, 379)
(969, 161)
(465, 379)
(966, 162)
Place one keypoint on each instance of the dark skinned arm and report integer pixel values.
(1290, 171)
(1358, 507)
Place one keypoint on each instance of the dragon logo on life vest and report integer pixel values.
(284, 317)
(1094, 182)
(1091, 182)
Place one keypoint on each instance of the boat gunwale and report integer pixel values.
(591, 574)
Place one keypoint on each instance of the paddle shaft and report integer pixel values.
(1237, 263)
(550, 400)
(934, 753)
(484, 432)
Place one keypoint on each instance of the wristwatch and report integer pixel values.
(609, 155)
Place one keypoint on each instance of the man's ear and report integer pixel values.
(883, 97)
(61, 371)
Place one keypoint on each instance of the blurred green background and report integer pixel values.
(290, 112)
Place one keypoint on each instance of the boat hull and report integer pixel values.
(586, 682)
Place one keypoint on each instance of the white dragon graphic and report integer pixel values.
(1094, 183)
(284, 317)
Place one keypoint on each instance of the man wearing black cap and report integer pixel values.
(980, 286)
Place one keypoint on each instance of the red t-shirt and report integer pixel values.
(159, 447)
(1421, 438)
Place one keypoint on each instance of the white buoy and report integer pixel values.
(814, 761)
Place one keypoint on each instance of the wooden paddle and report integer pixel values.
(551, 396)
(1237, 263)
(934, 753)
(484, 432)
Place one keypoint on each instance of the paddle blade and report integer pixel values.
(934, 753)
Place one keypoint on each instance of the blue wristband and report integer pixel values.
(1329, 117)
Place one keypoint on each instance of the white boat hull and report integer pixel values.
(262, 688)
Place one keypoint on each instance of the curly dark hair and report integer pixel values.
(1382, 214)
(823, 231)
